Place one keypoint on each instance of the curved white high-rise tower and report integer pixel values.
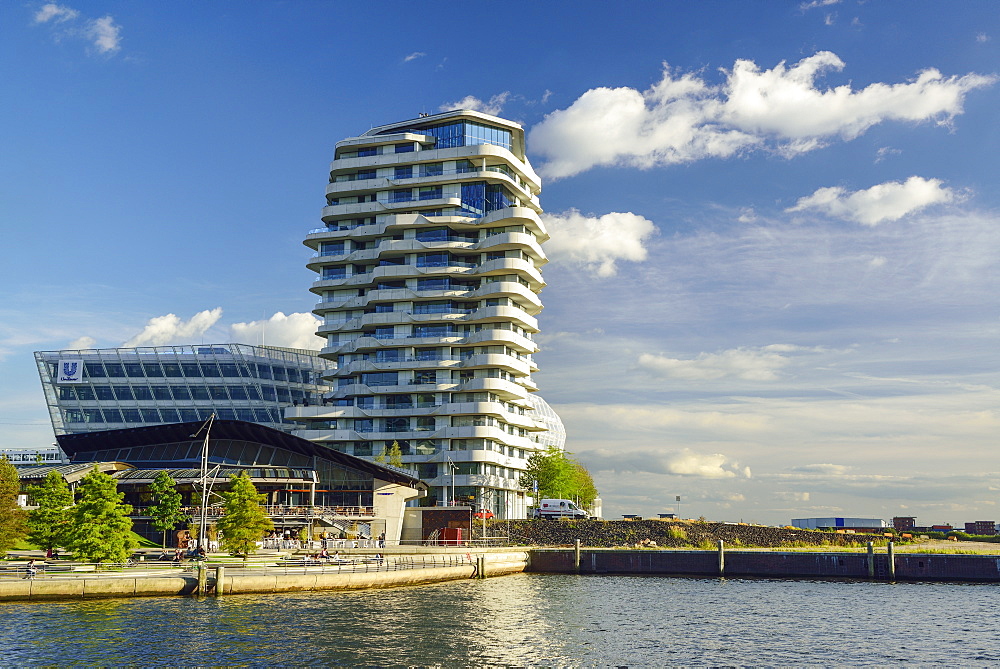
(429, 274)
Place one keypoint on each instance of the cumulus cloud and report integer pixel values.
(684, 462)
(684, 118)
(792, 496)
(414, 56)
(597, 242)
(56, 13)
(885, 152)
(291, 331)
(749, 364)
(81, 343)
(105, 34)
(492, 106)
(170, 328)
(888, 201)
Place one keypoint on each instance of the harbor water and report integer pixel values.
(525, 619)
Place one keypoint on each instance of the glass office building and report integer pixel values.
(428, 279)
(106, 389)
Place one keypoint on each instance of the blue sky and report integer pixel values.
(773, 287)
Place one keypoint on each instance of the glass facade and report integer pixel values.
(130, 387)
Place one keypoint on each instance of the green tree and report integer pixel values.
(165, 511)
(380, 458)
(245, 520)
(49, 524)
(558, 476)
(101, 528)
(395, 455)
(13, 519)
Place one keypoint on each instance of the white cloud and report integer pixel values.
(805, 6)
(683, 118)
(982, 37)
(54, 12)
(81, 343)
(291, 331)
(884, 152)
(597, 242)
(825, 469)
(749, 364)
(414, 56)
(888, 201)
(492, 106)
(170, 328)
(105, 34)
(792, 496)
(684, 462)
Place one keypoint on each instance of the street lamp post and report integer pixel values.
(203, 525)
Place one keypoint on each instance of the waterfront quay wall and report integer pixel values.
(774, 564)
(421, 569)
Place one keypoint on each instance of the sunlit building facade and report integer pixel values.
(92, 390)
(428, 279)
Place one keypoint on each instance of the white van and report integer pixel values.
(559, 508)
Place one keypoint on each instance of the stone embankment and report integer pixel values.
(669, 534)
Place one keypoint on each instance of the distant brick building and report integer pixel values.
(904, 523)
(982, 527)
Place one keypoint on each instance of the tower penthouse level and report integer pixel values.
(428, 281)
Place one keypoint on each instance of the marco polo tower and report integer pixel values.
(429, 274)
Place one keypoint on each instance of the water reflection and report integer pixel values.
(524, 619)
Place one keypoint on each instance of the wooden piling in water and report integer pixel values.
(722, 557)
(871, 560)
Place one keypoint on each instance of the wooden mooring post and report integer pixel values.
(890, 552)
(871, 560)
(576, 556)
(202, 579)
(722, 557)
(220, 580)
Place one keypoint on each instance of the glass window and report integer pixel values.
(283, 394)
(432, 235)
(113, 416)
(181, 393)
(161, 393)
(430, 193)
(104, 393)
(280, 373)
(267, 392)
(218, 392)
(95, 370)
(150, 415)
(365, 174)
(401, 148)
(331, 248)
(385, 332)
(362, 448)
(364, 425)
(263, 416)
(124, 394)
(380, 378)
(134, 370)
(152, 369)
(334, 273)
(397, 424)
(401, 195)
(199, 393)
(425, 423)
(229, 370)
(171, 369)
(85, 393)
(388, 355)
(93, 416)
(142, 393)
(238, 393)
(245, 414)
(131, 415)
(403, 172)
(432, 170)
(189, 415)
(424, 377)
(190, 369)
(252, 393)
(66, 393)
(433, 260)
(367, 151)
(210, 369)
(227, 414)
(114, 369)
(264, 371)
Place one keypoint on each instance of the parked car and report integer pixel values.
(483, 514)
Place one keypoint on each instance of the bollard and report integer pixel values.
(481, 568)
(722, 557)
(202, 578)
(871, 560)
(576, 556)
(891, 554)
(220, 579)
